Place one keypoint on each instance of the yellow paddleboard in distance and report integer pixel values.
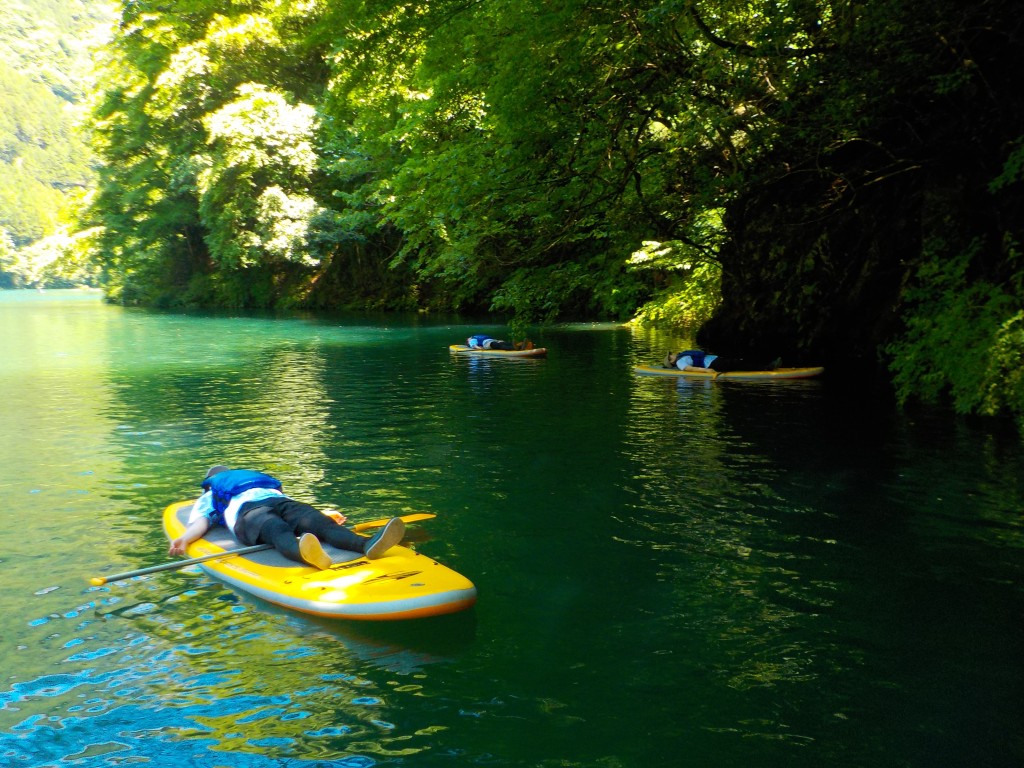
(778, 373)
(402, 584)
(462, 349)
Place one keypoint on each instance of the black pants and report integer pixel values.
(279, 521)
(725, 365)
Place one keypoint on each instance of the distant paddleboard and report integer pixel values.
(462, 349)
(779, 373)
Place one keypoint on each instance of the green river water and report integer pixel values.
(669, 574)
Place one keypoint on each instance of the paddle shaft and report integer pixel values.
(99, 581)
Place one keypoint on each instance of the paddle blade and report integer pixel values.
(414, 518)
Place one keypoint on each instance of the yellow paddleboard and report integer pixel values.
(778, 373)
(401, 585)
(462, 349)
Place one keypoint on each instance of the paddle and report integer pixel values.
(384, 521)
(99, 581)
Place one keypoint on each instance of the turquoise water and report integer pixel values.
(727, 574)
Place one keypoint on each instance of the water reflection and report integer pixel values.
(180, 663)
(286, 415)
(747, 593)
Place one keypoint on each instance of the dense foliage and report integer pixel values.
(885, 224)
(848, 175)
(442, 155)
(45, 162)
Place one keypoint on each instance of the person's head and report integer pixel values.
(670, 359)
(215, 470)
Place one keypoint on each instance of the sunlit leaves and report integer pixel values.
(207, 157)
(1003, 383)
(261, 130)
(260, 145)
(183, 85)
(284, 222)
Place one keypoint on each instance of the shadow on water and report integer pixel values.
(396, 646)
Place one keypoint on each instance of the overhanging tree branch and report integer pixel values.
(747, 49)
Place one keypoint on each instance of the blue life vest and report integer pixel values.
(226, 485)
(477, 340)
(696, 354)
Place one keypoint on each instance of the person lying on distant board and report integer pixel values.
(483, 341)
(251, 505)
(697, 360)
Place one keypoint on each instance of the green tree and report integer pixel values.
(203, 198)
(260, 153)
(8, 261)
(44, 162)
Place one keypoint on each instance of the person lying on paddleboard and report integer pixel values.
(483, 341)
(697, 360)
(251, 505)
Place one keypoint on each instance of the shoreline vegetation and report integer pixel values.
(838, 184)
